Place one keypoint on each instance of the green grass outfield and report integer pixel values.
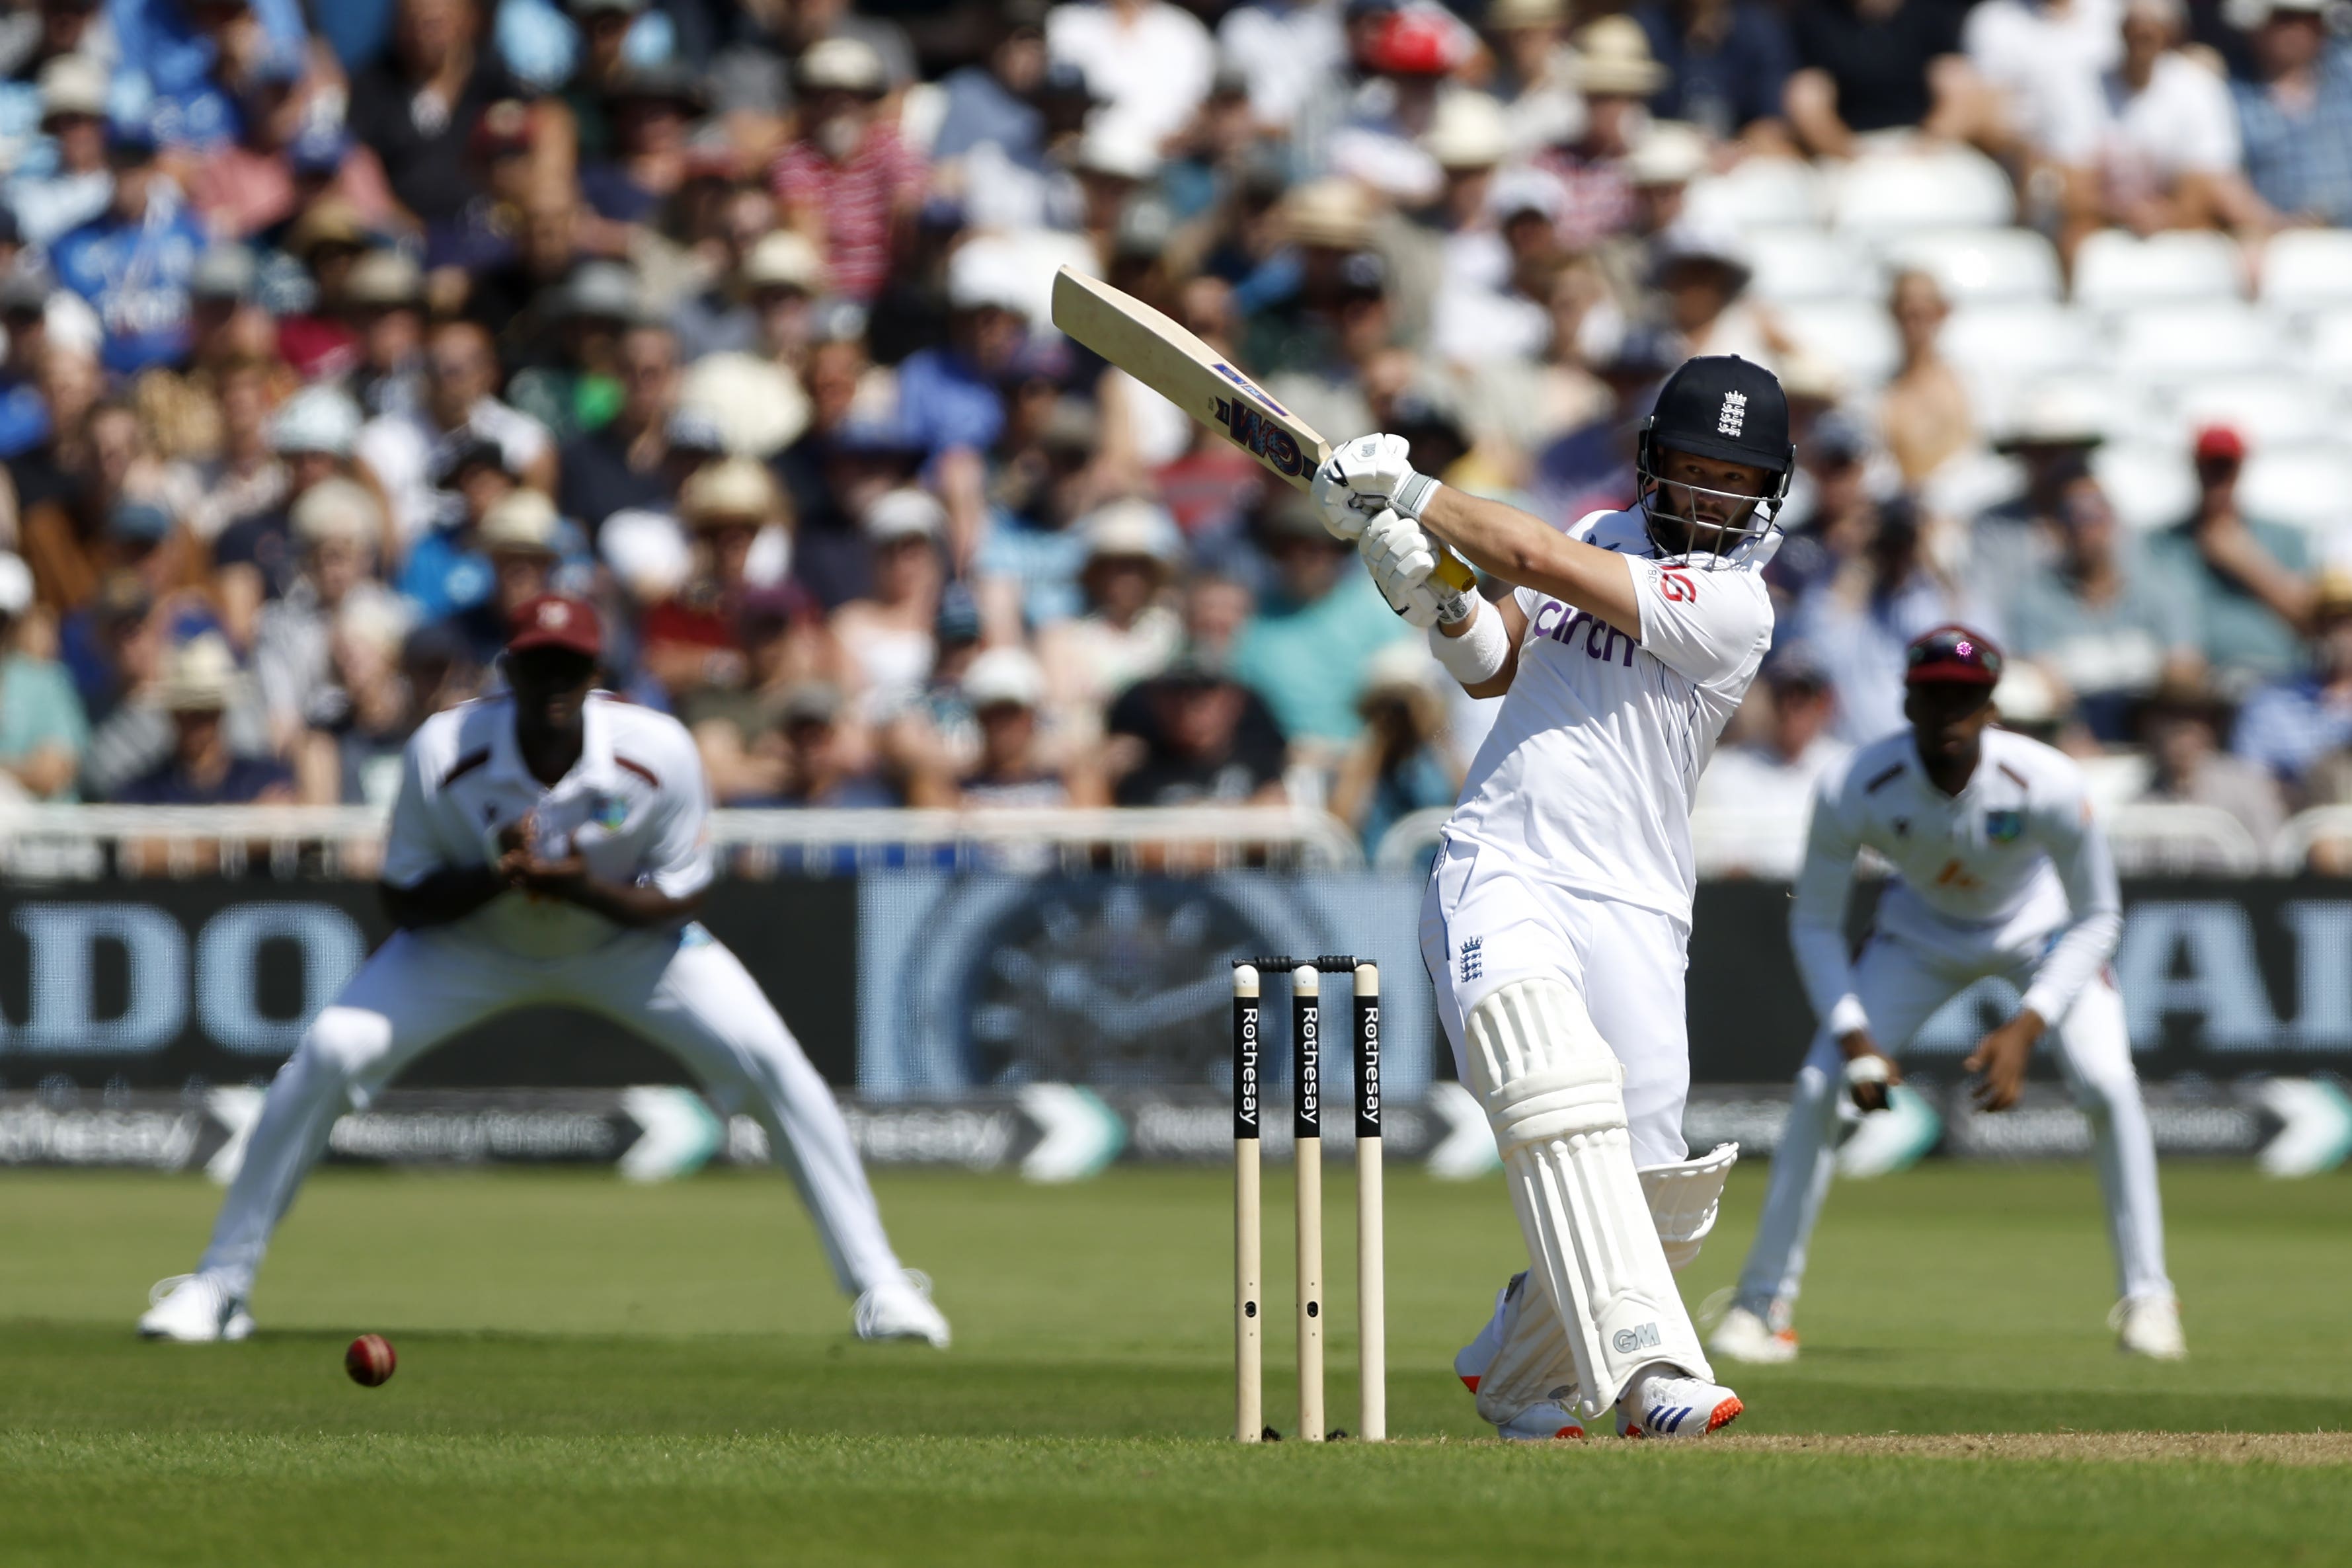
(592, 1373)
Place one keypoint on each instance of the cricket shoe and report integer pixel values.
(1758, 1338)
(1664, 1403)
(193, 1309)
(1539, 1423)
(2149, 1326)
(1471, 1362)
(901, 1308)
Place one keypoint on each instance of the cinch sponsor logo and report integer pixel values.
(1561, 624)
(1260, 437)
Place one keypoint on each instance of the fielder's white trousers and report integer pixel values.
(1901, 986)
(683, 992)
(1483, 924)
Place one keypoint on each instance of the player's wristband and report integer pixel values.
(1413, 493)
(1478, 655)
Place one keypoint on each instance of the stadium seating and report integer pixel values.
(1981, 266)
(2117, 272)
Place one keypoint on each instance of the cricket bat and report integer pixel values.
(1195, 378)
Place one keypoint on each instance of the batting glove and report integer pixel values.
(1363, 477)
(1400, 556)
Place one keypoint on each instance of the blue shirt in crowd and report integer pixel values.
(135, 272)
(2302, 162)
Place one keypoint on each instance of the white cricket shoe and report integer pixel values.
(193, 1309)
(1662, 1402)
(1758, 1338)
(2149, 1326)
(1539, 1423)
(901, 1310)
(1543, 1423)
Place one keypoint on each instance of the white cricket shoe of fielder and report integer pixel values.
(1662, 1402)
(193, 1309)
(2149, 1326)
(1758, 1338)
(901, 1308)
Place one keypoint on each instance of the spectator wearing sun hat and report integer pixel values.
(887, 638)
(849, 182)
(337, 525)
(1129, 631)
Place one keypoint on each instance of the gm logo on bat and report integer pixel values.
(1262, 439)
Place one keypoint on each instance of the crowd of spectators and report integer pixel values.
(333, 331)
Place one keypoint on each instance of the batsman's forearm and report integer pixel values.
(443, 897)
(1518, 547)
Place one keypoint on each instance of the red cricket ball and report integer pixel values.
(370, 1360)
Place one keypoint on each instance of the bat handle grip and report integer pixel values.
(1456, 572)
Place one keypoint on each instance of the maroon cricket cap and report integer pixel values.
(1953, 654)
(2221, 444)
(556, 620)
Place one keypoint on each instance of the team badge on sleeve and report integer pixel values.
(2003, 826)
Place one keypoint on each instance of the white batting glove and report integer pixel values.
(1401, 557)
(1363, 476)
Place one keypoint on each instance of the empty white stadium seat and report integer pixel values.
(2307, 270)
(2117, 271)
(2018, 343)
(1796, 265)
(1896, 192)
(2269, 411)
(1980, 266)
(2323, 345)
(2174, 343)
(2309, 487)
(1855, 336)
(2149, 484)
(1761, 193)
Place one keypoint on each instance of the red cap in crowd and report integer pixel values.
(556, 620)
(2220, 443)
(1952, 654)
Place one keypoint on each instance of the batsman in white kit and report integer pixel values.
(550, 844)
(1557, 924)
(1999, 870)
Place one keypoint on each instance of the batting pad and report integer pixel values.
(1553, 1094)
(1684, 1198)
(1533, 1362)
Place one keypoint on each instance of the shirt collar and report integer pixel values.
(595, 747)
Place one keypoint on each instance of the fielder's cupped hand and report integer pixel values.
(1355, 482)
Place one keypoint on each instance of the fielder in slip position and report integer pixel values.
(1557, 921)
(2000, 870)
(550, 844)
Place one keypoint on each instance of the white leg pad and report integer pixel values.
(1553, 1095)
(1533, 1362)
(1684, 1198)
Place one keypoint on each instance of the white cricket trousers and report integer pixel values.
(682, 991)
(1485, 924)
(1901, 986)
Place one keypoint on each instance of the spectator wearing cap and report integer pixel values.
(816, 760)
(1701, 270)
(1410, 57)
(132, 262)
(1872, 589)
(1869, 66)
(522, 546)
(695, 641)
(417, 106)
(1591, 466)
(336, 525)
(571, 377)
(848, 182)
(53, 196)
(625, 462)
(1772, 773)
(323, 246)
(991, 148)
(1129, 631)
(935, 734)
(652, 106)
(851, 453)
(1833, 511)
(749, 343)
(1541, 105)
(1728, 64)
(1193, 735)
(1149, 60)
(2295, 120)
(2291, 724)
(2151, 144)
(1012, 763)
(201, 766)
(609, 40)
(2105, 626)
(885, 638)
(1475, 316)
(2249, 579)
(255, 556)
(384, 300)
(2013, 541)
(1924, 414)
(1026, 572)
(1614, 70)
(458, 404)
(1400, 763)
(43, 730)
(1320, 620)
(2183, 725)
(444, 572)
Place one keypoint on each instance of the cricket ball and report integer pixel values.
(370, 1360)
